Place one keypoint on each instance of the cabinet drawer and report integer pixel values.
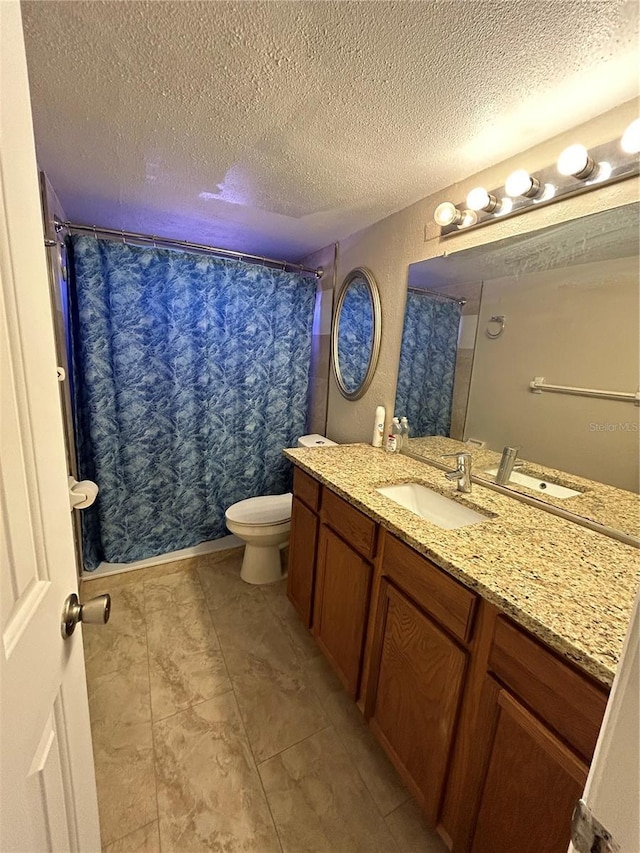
(566, 700)
(442, 597)
(306, 489)
(354, 527)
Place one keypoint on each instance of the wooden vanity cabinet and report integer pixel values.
(491, 730)
(531, 783)
(536, 731)
(418, 668)
(303, 542)
(343, 587)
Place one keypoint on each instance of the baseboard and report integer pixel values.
(223, 544)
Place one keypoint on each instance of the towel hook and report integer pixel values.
(499, 319)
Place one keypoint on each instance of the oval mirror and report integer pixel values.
(355, 333)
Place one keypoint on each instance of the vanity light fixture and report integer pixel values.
(577, 170)
(522, 183)
(630, 142)
(575, 162)
(479, 199)
(602, 173)
(548, 192)
(505, 208)
(447, 214)
(469, 218)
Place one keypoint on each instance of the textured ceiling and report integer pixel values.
(279, 127)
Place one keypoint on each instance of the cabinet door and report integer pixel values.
(302, 559)
(531, 784)
(341, 607)
(420, 676)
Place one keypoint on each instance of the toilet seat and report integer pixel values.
(263, 510)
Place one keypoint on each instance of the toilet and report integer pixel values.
(263, 524)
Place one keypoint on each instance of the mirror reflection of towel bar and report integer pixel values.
(537, 385)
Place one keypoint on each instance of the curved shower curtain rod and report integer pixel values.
(182, 244)
(438, 294)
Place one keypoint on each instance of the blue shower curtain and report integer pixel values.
(427, 363)
(192, 376)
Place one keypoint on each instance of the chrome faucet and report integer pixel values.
(463, 471)
(507, 463)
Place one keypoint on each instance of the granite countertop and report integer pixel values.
(570, 586)
(615, 508)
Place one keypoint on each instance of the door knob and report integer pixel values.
(96, 611)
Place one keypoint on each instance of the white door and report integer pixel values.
(47, 783)
(612, 792)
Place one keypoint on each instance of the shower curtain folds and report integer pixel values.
(192, 375)
(427, 363)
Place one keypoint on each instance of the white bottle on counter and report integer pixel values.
(378, 427)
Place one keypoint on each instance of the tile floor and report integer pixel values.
(218, 726)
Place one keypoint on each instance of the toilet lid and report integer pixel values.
(267, 509)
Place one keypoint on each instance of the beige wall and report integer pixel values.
(575, 326)
(389, 246)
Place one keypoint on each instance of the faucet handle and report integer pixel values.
(457, 455)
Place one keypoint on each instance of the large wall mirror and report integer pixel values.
(561, 303)
(355, 334)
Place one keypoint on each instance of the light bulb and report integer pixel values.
(603, 174)
(506, 206)
(575, 161)
(447, 214)
(520, 183)
(630, 141)
(480, 199)
(548, 193)
(469, 218)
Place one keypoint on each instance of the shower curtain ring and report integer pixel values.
(124, 242)
(154, 241)
(95, 233)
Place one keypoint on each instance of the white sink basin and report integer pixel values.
(538, 485)
(428, 504)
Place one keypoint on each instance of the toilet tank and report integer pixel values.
(315, 440)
